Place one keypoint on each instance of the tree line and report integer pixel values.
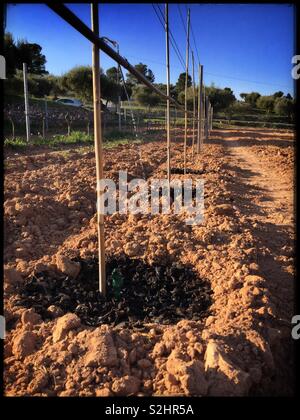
(78, 82)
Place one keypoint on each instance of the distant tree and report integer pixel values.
(173, 91)
(9, 52)
(112, 73)
(239, 107)
(266, 103)
(15, 85)
(57, 87)
(31, 54)
(142, 68)
(145, 96)
(250, 98)
(163, 88)
(39, 86)
(289, 96)
(220, 99)
(278, 94)
(180, 84)
(123, 92)
(79, 81)
(109, 89)
(190, 97)
(23, 52)
(284, 106)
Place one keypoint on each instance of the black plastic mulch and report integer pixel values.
(150, 293)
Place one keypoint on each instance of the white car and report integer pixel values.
(69, 101)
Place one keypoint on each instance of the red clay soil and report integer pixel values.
(243, 249)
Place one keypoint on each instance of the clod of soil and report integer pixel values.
(149, 293)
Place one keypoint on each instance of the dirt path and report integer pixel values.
(277, 200)
(271, 215)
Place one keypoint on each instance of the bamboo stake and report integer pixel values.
(168, 90)
(200, 108)
(186, 83)
(26, 102)
(194, 106)
(119, 95)
(203, 114)
(206, 119)
(175, 123)
(98, 147)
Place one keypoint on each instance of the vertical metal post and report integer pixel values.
(168, 90)
(186, 83)
(98, 147)
(200, 108)
(27, 120)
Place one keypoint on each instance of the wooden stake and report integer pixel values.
(98, 147)
(26, 102)
(194, 106)
(186, 83)
(209, 116)
(168, 91)
(200, 108)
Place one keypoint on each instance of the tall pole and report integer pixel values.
(26, 102)
(46, 113)
(119, 96)
(194, 106)
(211, 116)
(98, 146)
(203, 113)
(168, 90)
(200, 108)
(206, 119)
(186, 86)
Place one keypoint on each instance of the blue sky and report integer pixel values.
(247, 47)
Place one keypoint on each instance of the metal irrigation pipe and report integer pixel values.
(65, 13)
